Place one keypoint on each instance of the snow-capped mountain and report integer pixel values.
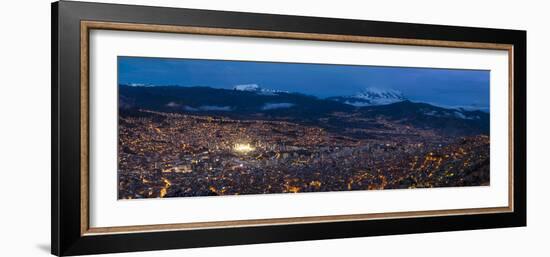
(371, 97)
(247, 87)
(140, 85)
(257, 89)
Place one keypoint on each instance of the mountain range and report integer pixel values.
(371, 97)
(254, 102)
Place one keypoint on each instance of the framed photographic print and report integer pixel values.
(177, 128)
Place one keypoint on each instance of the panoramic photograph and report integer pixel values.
(194, 127)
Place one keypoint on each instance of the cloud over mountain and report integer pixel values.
(271, 106)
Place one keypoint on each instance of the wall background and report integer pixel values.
(25, 126)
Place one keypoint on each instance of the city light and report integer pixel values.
(243, 148)
(198, 157)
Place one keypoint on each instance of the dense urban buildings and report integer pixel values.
(165, 154)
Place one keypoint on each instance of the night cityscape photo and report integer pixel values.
(190, 127)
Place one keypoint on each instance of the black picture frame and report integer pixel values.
(66, 235)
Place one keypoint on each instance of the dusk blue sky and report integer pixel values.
(444, 87)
